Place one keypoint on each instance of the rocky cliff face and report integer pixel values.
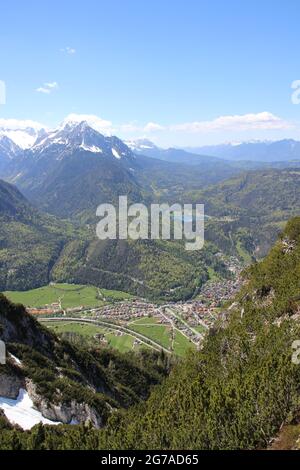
(19, 328)
(66, 413)
(10, 385)
(67, 384)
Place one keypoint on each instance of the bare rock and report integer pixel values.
(10, 386)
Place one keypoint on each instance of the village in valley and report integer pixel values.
(144, 321)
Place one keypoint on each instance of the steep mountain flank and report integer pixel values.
(30, 242)
(238, 391)
(68, 384)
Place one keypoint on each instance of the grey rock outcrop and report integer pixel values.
(65, 413)
(10, 386)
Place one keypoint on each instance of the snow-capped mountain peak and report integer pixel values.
(23, 138)
(8, 147)
(71, 136)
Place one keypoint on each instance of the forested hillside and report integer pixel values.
(248, 211)
(36, 248)
(69, 383)
(233, 394)
(30, 242)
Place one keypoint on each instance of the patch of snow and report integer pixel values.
(17, 361)
(116, 154)
(21, 411)
(50, 139)
(21, 138)
(60, 141)
(90, 148)
(16, 177)
(131, 144)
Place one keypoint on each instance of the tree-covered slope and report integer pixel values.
(258, 193)
(243, 385)
(30, 242)
(248, 211)
(67, 382)
(36, 248)
(148, 268)
(238, 390)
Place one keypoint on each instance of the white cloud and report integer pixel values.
(43, 90)
(264, 125)
(245, 122)
(236, 123)
(18, 131)
(68, 50)
(51, 85)
(47, 88)
(153, 127)
(100, 125)
(17, 124)
(133, 127)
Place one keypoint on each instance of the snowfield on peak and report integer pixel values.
(21, 411)
(99, 125)
(116, 154)
(20, 137)
(91, 148)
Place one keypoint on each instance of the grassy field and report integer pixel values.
(70, 295)
(80, 328)
(122, 343)
(143, 321)
(201, 329)
(159, 333)
(181, 344)
(162, 334)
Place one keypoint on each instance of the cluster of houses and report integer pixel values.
(215, 293)
(192, 318)
(125, 311)
(54, 309)
(196, 313)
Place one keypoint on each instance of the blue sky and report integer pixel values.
(178, 72)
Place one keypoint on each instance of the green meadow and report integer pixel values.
(69, 295)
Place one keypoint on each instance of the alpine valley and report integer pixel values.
(141, 344)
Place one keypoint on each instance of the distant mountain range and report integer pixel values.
(245, 155)
(71, 170)
(279, 151)
(173, 155)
